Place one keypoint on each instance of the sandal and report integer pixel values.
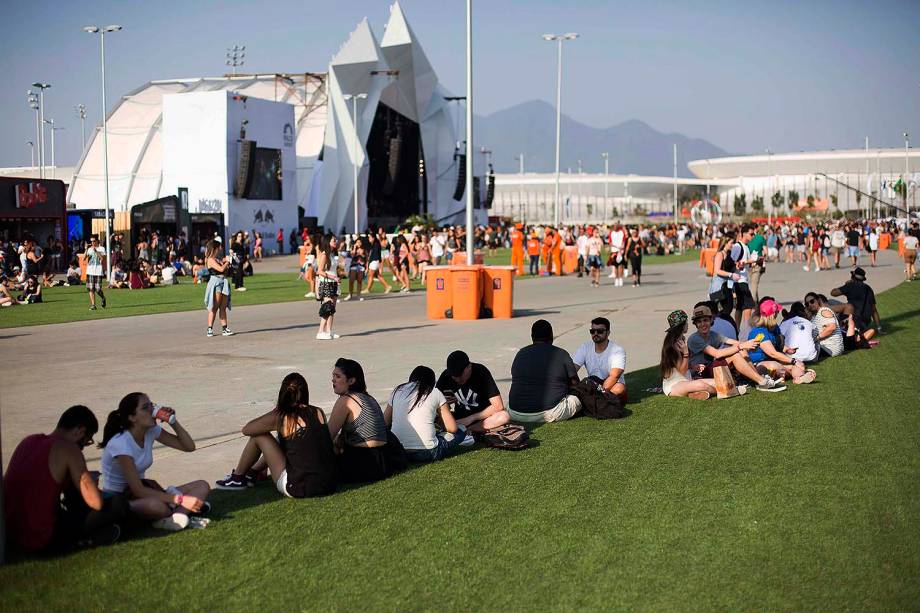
(698, 395)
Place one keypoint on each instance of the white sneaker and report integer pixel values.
(198, 523)
(612, 275)
(173, 523)
(241, 289)
(346, 298)
(323, 336)
(309, 295)
(334, 336)
(468, 440)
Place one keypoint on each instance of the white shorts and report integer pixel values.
(567, 408)
(281, 484)
(374, 265)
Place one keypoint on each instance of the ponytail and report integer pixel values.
(118, 421)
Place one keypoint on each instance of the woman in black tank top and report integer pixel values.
(301, 460)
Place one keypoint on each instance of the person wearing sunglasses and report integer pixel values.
(603, 359)
(52, 501)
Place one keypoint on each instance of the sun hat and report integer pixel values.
(859, 274)
(770, 307)
(677, 318)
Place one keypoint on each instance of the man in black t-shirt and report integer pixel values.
(861, 296)
(541, 375)
(470, 388)
(853, 240)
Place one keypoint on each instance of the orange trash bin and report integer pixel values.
(460, 258)
(570, 260)
(498, 290)
(884, 241)
(438, 291)
(707, 259)
(466, 289)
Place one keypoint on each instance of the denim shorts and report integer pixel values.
(448, 443)
(852, 251)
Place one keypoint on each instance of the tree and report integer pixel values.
(757, 203)
(793, 198)
(740, 204)
(810, 201)
(777, 201)
(834, 200)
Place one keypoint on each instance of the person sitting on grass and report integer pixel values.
(769, 355)
(706, 345)
(119, 277)
(860, 295)
(301, 460)
(541, 375)
(603, 360)
(413, 410)
(675, 363)
(73, 273)
(799, 333)
(6, 298)
(829, 332)
(476, 403)
(42, 469)
(127, 444)
(200, 272)
(365, 450)
(31, 292)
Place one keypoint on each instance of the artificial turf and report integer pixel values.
(66, 304)
(805, 499)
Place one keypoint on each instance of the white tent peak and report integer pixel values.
(360, 48)
(397, 30)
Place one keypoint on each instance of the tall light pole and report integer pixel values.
(31, 153)
(81, 115)
(41, 122)
(33, 104)
(772, 189)
(520, 159)
(53, 163)
(606, 157)
(354, 111)
(675, 182)
(235, 57)
(906, 172)
(105, 144)
(469, 132)
(558, 38)
(869, 180)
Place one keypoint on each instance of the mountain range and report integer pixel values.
(634, 146)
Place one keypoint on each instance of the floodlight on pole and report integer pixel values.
(236, 57)
(606, 157)
(906, 171)
(520, 160)
(53, 162)
(105, 144)
(354, 105)
(41, 122)
(81, 115)
(558, 38)
(770, 170)
(33, 104)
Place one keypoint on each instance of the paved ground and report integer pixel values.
(217, 384)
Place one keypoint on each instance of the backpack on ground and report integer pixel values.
(597, 402)
(510, 437)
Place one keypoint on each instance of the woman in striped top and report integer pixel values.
(830, 337)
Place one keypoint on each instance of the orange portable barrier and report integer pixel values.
(466, 287)
(498, 290)
(570, 260)
(884, 241)
(707, 259)
(901, 247)
(438, 291)
(460, 258)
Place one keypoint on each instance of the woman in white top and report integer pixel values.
(127, 444)
(675, 363)
(873, 245)
(413, 409)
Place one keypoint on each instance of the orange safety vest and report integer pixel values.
(517, 239)
(533, 246)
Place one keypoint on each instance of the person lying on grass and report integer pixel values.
(675, 363)
(706, 345)
(414, 409)
(127, 444)
(47, 470)
(301, 460)
(769, 356)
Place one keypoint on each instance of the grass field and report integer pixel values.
(807, 499)
(65, 304)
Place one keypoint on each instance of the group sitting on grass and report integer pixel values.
(779, 344)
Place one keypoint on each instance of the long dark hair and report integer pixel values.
(423, 377)
(670, 357)
(117, 421)
(293, 403)
(352, 370)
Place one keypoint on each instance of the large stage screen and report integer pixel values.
(266, 177)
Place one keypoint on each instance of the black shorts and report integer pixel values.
(743, 297)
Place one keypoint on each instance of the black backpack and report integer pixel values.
(597, 402)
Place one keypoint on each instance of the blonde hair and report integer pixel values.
(768, 321)
(212, 249)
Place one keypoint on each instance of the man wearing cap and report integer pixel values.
(741, 254)
(541, 376)
(95, 262)
(860, 295)
(706, 345)
(769, 354)
(472, 393)
(604, 360)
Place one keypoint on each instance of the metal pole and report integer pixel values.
(878, 180)
(105, 165)
(41, 112)
(906, 173)
(521, 187)
(869, 203)
(32, 153)
(558, 129)
(38, 142)
(675, 182)
(606, 184)
(354, 108)
(469, 132)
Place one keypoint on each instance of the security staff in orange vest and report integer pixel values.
(517, 249)
(548, 251)
(533, 250)
(557, 253)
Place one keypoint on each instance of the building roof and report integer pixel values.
(851, 161)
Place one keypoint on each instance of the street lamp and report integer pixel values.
(906, 172)
(559, 38)
(105, 144)
(41, 122)
(235, 55)
(53, 163)
(81, 115)
(354, 105)
(606, 157)
(31, 152)
(770, 170)
(33, 104)
(520, 159)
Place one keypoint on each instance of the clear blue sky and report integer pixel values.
(746, 76)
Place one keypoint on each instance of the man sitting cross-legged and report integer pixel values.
(470, 389)
(706, 345)
(541, 376)
(604, 360)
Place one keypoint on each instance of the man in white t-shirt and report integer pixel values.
(604, 360)
(799, 334)
(618, 254)
(438, 242)
(95, 272)
(838, 242)
(582, 243)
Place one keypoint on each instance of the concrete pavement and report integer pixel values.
(217, 384)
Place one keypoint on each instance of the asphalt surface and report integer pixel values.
(217, 384)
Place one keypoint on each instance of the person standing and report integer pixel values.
(327, 286)
(741, 255)
(217, 294)
(872, 245)
(237, 260)
(517, 249)
(617, 256)
(594, 247)
(838, 242)
(533, 252)
(95, 272)
(634, 248)
(854, 243)
(280, 238)
(757, 245)
(910, 255)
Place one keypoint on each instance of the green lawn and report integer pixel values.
(65, 304)
(806, 499)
